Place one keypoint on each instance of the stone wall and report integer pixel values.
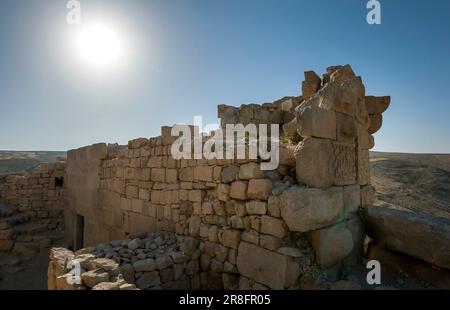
(40, 191)
(155, 261)
(31, 208)
(276, 229)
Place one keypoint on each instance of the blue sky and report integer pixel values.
(184, 57)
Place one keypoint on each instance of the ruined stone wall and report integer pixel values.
(257, 229)
(31, 208)
(40, 191)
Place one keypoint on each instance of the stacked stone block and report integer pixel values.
(256, 229)
(155, 261)
(31, 217)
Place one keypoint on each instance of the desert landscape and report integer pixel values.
(16, 161)
(415, 182)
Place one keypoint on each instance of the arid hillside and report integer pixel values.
(15, 161)
(417, 182)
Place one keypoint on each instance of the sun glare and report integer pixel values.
(99, 45)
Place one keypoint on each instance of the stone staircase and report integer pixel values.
(21, 233)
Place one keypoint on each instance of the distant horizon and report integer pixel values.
(371, 151)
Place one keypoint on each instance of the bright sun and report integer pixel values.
(99, 45)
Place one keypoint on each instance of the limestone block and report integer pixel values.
(270, 242)
(256, 207)
(367, 195)
(250, 236)
(419, 235)
(311, 84)
(342, 74)
(158, 175)
(238, 190)
(144, 265)
(250, 171)
(231, 238)
(229, 174)
(346, 128)
(345, 170)
(259, 189)
(377, 105)
(364, 139)
(331, 245)
(376, 120)
(148, 279)
(273, 206)
(363, 166)
(313, 121)
(352, 198)
(273, 226)
(223, 192)
(287, 157)
(203, 173)
(93, 277)
(171, 175)
(262, 266)
(315, 162)
(305, 209)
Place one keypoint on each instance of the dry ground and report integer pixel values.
(417, 182)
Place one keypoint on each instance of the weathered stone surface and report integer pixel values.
(331, 244)
(259, 189)
(250, 171)
(313, 121)
(420, 235)
(270, 242)
(6, 245)
(345, 169)
(342, 74)
(287, 157)
(315, 162)
(305, 209)
(134, 244)
(148, 279)
(273, 226)
(377, 105)
(231, 238)
(352, 198)
(261, 265)
(310, 85)
(346, 128)
(230, 174)
(238, 190)
(273, 206)
(256, 207)
(376, 120)
(144, 265)
(93, 277)
(163, 262)
(289, 251)
(363, 166)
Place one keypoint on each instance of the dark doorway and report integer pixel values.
(59, 182)
(79, 232)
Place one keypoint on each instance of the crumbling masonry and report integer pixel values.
(146, 219)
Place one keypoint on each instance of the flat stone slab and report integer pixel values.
(419, 235)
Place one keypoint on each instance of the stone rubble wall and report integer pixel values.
(35, 191)
(33, 204)
(280, 229)
(154, 261)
